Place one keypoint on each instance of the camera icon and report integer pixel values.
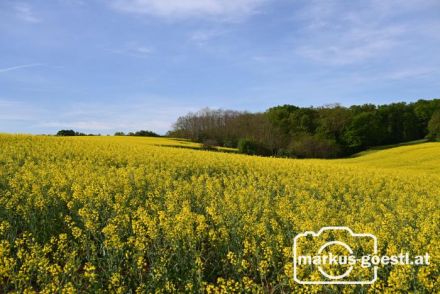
(332, 256)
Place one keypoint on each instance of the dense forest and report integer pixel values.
(322, 132)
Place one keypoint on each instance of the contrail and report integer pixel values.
(19, 67)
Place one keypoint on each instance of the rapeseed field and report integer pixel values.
(126, 215)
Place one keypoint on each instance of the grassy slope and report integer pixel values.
(384, 147)
(421, 157)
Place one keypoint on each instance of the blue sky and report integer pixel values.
(110, 65)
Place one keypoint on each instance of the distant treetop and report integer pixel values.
(141, 133)
(70, 133)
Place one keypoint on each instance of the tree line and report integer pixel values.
(71, 133)
(323, 132)
(141, 133)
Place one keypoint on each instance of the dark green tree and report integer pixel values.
(280, 117)
(365, 130)
(66, 133)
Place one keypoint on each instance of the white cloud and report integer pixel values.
(25, 12)
(83, 125)
(128, 116)
(134, 49)
(409, 73)
(149, 113)
(353, 46)
(202, 37)
(341, 32)
(73, 2)
(6, 69)
(172, 9)
(17, 110)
